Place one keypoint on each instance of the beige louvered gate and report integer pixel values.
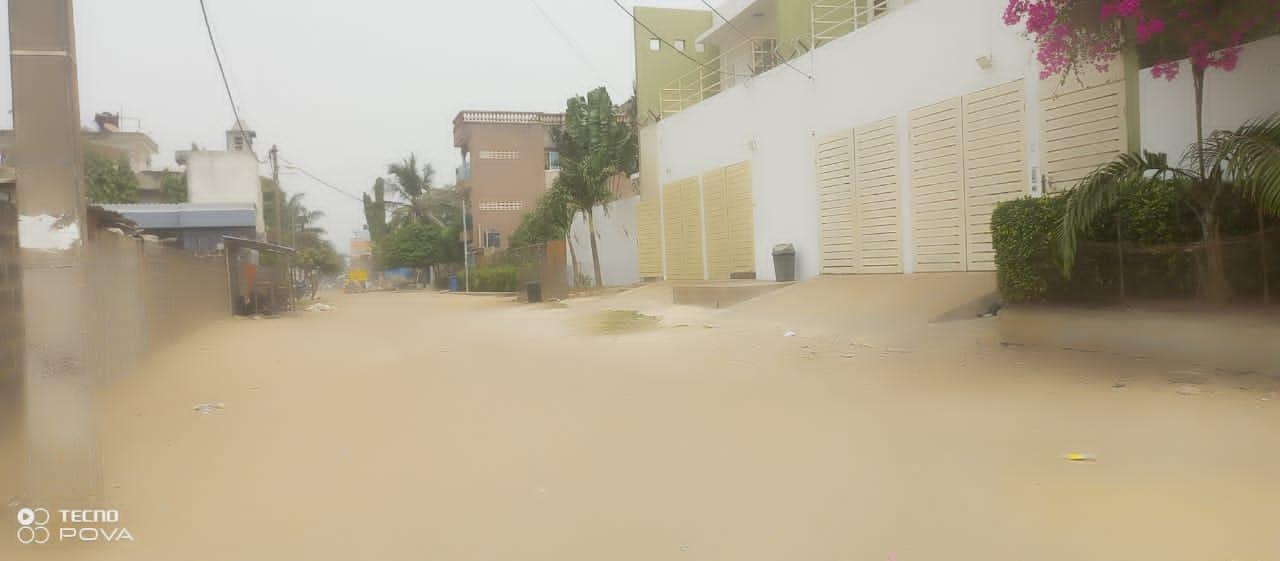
(837, 221)
(876, 197)
(1083, 124)
(649, 242)
(682, 221)
(727, 202)
(995, 163)
(938, 188)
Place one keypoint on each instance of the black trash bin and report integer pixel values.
(534, 290)
(784, 262)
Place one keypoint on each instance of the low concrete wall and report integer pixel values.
(1245, 341)
(721, 295)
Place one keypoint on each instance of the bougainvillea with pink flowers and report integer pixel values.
(1072, 34)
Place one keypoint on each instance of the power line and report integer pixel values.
(303, 171)
(204, 11)
(655, 35)
(748, 37)
(572, 46)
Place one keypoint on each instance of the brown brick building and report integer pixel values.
(508, 161)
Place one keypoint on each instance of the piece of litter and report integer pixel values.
(254, 388)
(1267, 396)
(684, 547)
(1078, 457)
(789, 334)
(1119, 386)
(320, 307)
(1189, 390)
(207, 408)
(847, 355)
(708, 326)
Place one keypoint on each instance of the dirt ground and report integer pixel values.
(449, 427)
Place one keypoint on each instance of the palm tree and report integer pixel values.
(596, 147)
(300, 218)
(415, 187)
(1245, 161)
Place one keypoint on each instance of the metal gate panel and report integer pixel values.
(994, 161)
(876, 197)
(937, 188)
(741, 213)
(649, 238)
(716, 205)
(682, 221)
(1083, 124)
(837, 219)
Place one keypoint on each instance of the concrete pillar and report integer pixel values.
(62, 463)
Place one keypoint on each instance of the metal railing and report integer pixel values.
(833, 19)
(829, 20)
(735, 65)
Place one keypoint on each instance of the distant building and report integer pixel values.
(196, 227)
(229, 176)
(109, 141)
(508, 162)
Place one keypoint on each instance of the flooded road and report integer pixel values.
(430, 426)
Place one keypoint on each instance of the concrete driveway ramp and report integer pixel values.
(857, 302)
(722, 294)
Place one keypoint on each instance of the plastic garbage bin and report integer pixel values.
(534, 290)
(453, 283)
(784, 262)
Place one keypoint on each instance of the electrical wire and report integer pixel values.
(303, 171)
(655, 35)
(204, 11)
(748, 37)
(572, 46)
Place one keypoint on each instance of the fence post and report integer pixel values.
(1262, 255)
(1120, 252)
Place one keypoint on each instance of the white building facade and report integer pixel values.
(885, 150)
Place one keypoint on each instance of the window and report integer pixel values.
(679, 44)
(492, 239)
(699, 47)
(553, 160)
(498, 155)
(501, 206)
(655, 45)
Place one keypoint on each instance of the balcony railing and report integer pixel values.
(829, 20)
(832, 19)
(749, 58)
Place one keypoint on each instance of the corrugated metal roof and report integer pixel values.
(189, 215)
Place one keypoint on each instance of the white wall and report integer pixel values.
(920, 54)
(1231, 98)
(224, 177)
(615, 239)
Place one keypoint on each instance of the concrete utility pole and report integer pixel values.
(63, 468)
(279, 193)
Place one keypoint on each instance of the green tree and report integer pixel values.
(315, 257)
(597, 148)
(550, 220)
(375, 211)
(173, 188)
(108, 180)
(419, 246)
(420, 201)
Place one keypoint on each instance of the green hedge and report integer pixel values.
(494, 278)
(1024, 232)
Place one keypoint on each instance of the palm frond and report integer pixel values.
(1250, 156)
(1098, 192)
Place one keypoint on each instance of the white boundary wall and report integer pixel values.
(919, 54)
(615, 239)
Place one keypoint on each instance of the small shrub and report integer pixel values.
(493, 278)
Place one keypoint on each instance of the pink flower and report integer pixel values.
(1148, 29)
(1167, 70)
(1040, 17)
(1121, 9)
(1014, 11)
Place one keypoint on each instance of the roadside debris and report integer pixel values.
(789, 334)
(1267, 396)
(1079, 457)
(1188, 389)
(1119, 386)
(320, 307)
(207, 408)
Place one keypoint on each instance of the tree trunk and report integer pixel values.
(573, 257)
(595, 253)
(1216, 287)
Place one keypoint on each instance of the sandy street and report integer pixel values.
(446, 427)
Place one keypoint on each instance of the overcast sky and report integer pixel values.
(343, 88)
